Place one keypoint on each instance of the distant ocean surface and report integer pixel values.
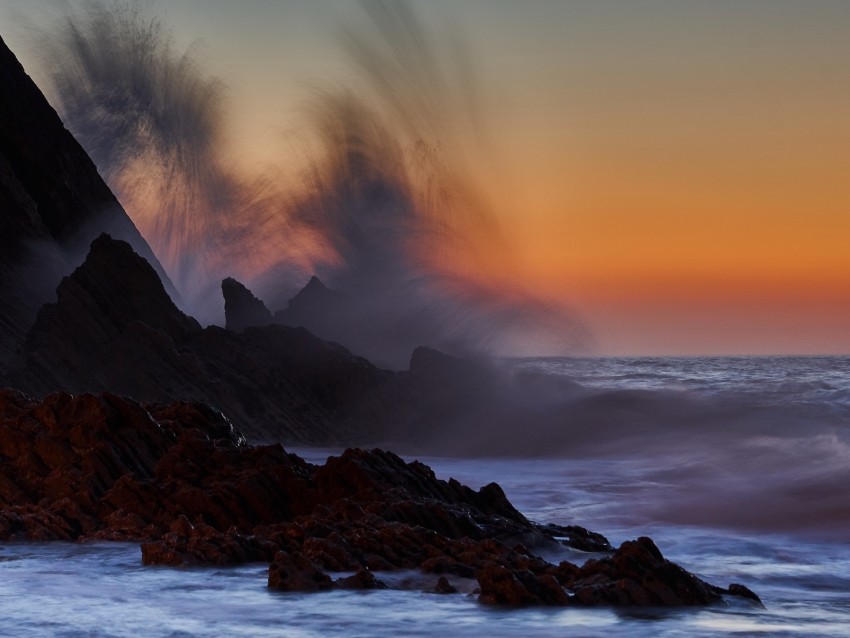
(809, 380)
(738, 468)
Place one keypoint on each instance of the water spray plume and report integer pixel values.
(384, 207)
(151, 120)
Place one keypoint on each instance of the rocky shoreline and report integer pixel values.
(177, 477)
(182, 481)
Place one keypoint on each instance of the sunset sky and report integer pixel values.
(677, 171)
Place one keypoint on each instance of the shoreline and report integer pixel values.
(180, 479)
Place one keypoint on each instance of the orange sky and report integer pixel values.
(675, 171)
(684, 174)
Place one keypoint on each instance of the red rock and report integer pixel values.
(183, 481)
(114, 328)
(54, 204)
(502, 586)
(742, 591)
(638, 575)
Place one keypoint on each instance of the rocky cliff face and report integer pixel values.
(442, 403)
(53, 204)
(113, 324)
(115, 328)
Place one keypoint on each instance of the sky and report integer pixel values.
(676, 171)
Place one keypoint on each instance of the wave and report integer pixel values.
(751, 455)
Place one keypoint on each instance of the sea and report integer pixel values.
(737, 467)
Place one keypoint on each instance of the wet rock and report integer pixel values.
(318, 308)
(500, 585)
(182, 480)
(363, 579)
(638, 575)
(744, 592)
(201, 544)
(577, 537)
(289, 572)
(108, 463)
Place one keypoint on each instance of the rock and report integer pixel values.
(241, 308)
(315, 307)
(578, 538)
(114, 328)
(181, 480)
(744, 592)
(454, 402)
(108, 464)
(363, 579)
(202, 544)
(443, 586)
(116, 287)
(54, 204)
(366, 319)
(638, 575)
(500, 585)
(296, 573)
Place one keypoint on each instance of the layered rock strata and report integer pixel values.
(182, 481)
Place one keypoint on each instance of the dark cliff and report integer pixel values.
(114, 328)
(53, 203)
(241, 308)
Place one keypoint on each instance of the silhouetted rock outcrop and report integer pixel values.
(327, 313)
(54, 203)
(314, 305)
(241, 308)
(180, 479)
(114, 328)
(370, 322)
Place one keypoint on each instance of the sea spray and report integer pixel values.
(384, 207)
(759, 443)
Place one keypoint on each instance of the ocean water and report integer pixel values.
(737, 467)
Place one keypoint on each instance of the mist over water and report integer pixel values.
(759, 443)
(383, 207)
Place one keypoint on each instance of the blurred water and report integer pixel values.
(766, 510)
(102, 589)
